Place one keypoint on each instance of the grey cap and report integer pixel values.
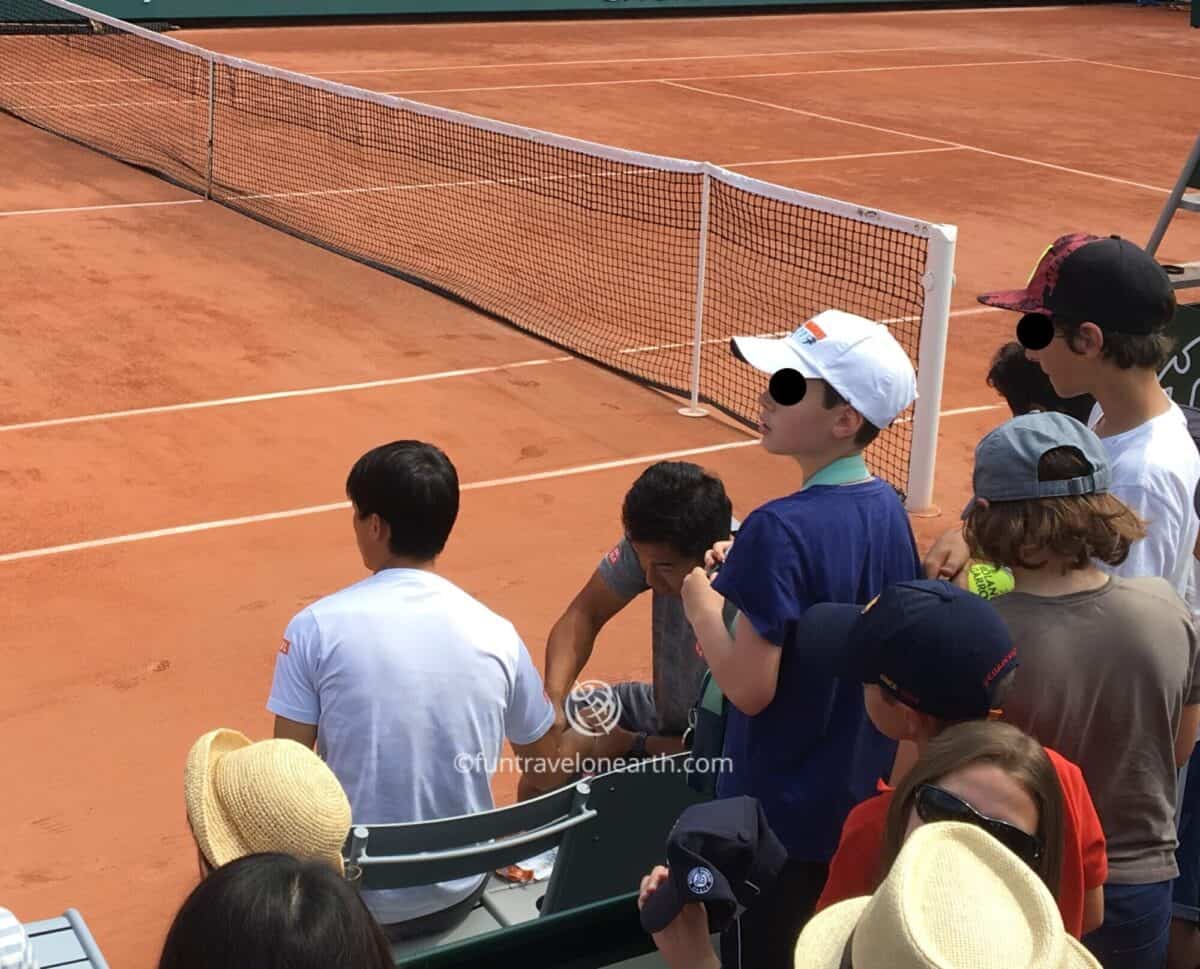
(1006, 460)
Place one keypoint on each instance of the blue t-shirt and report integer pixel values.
(812, 754)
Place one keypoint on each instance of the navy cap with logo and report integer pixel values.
(1085, 278)
(722, 853)
(935, 647)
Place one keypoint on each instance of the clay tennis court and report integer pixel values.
(184, 389)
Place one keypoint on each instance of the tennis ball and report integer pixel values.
(989, 581)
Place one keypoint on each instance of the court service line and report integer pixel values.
(568, 472)
(279, 395)
(753, 55)
(1141, 70)
(345, 505)
(668, 21)
(828, 158)
(909, 134)
(387, 382)
(99, 208)
(728, 77)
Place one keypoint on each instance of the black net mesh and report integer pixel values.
(772, 265)
(596, 252)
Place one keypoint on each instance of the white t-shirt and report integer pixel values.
(1155, 468)
(409, 680)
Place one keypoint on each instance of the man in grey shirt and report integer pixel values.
(672, 515)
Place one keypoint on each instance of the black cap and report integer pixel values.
(1107, 281)
(721, 853)
(935, 647)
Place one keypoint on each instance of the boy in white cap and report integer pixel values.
(799, 740)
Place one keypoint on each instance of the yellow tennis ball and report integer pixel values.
(989, 581)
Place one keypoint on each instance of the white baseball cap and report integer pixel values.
(858, 358)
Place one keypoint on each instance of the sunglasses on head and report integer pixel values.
(787, 387)
(935, 804)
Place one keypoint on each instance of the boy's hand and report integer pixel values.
(684, 944)
(716, 554)
(699, 597)
(948, 558)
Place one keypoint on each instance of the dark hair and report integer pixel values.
(1077, 528)
(1125, 350)
(273, 911)
(1025, 387)
(680, 505)
(414, 488)
(991, 742)
(865, 434)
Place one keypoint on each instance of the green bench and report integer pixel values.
(609, 830)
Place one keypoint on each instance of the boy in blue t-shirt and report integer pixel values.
(799, 740)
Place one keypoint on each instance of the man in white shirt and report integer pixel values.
(407, 685)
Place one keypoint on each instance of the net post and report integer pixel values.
(212, 99)
(694, 409)
(931, 364)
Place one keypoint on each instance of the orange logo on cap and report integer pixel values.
(814, 330)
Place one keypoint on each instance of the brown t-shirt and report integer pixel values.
(1103, 679)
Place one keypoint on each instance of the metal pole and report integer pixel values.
(212, 88)
(931, 365)
(694, 409)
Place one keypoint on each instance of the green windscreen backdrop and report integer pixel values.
(183, 10)
(1181, 376)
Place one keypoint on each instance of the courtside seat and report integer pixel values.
(64, 943)
(600, 935)
(609, 830)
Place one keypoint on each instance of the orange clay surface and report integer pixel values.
(1015, 125)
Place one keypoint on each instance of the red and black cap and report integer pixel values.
(1107, 281)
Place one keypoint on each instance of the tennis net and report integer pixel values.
(642, 264)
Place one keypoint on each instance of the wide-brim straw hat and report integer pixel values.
(274, 795)
(955, 898)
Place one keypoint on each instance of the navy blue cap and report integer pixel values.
(721, 853)
(935, 647)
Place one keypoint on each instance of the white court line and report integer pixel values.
(828, 158)
(100, 208)
(626, 22)
(373, 384)
(408, 92)
(279, 395)
(208, 526)
(1141, 70)
(345, 505)
(909, 134)
(643, 60)
(728, 77)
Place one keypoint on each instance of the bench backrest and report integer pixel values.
(425, 852)
(636, 808)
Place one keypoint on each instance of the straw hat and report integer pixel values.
(274, 795)
(955, 899)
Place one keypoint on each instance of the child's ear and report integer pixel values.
(848, 422)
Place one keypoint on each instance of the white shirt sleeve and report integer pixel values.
(294, 691)
(16, 951)
(530, 713)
